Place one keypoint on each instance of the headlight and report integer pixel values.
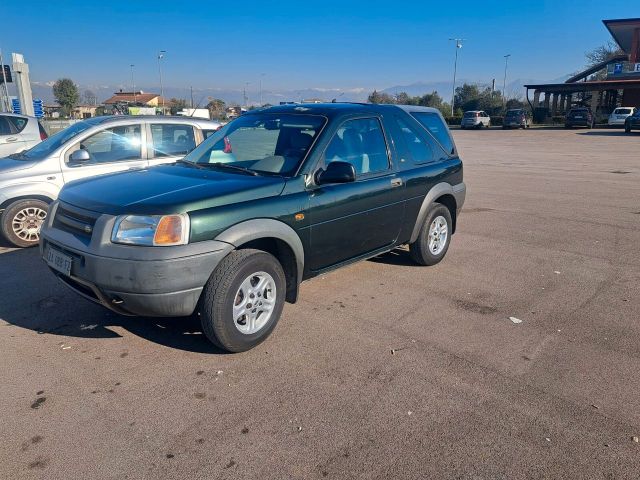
(152, 230)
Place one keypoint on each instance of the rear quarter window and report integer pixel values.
(18, 122)
(434, 124)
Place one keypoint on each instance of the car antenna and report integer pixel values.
(197, 106)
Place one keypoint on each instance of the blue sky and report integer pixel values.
(297, 44)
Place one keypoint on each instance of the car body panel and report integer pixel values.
(15, 140)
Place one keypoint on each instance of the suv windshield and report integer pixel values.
(622, 111)
(51, 144)
(513, 113)
(267, 143)
(470, 114)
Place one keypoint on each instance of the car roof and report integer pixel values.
(10, 114)
(340, 108)
(101, 120)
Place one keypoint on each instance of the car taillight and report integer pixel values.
(43, 133)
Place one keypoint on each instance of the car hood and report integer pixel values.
(9, 165)
(168, 189)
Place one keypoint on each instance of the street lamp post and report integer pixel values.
(455, 71)
(133, 84)
(504, 82)
(261, 77)
(160, 57)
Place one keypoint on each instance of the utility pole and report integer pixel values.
(191, 90)
(455, 71)
(504, 82)
(160, 57)
(244, 95)
(133, 85)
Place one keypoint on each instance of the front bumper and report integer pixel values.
(130, 280)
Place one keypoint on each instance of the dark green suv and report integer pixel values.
(275, 197)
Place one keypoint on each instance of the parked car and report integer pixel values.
(19, 132)
(31, 180)
(580, 117)
(516, 118)
(619, 116)
(275, 197)
(632, 122)
(475, 119)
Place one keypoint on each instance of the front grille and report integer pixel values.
(74, 220)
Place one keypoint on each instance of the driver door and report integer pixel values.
(352, 219)
(112, 149)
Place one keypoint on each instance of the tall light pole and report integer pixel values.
(244, 95)
(504, 82)
(455, 71)
(160, 57)
(261, 77)
(133, 84)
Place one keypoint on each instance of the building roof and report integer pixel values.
(586, 86)
(622, 31)
(139, 97)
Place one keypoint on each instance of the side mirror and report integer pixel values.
(336, 172)
(80, 156)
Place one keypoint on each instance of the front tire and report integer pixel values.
(435, 236)
(22, 220)
(627, 128)
(243, 299)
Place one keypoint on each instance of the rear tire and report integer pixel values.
(430, 247)
(238, 311)
(22, 220)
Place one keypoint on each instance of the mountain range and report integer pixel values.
(201, 96)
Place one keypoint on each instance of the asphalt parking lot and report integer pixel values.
(383, 369)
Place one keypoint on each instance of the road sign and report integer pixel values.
(15, 104)
(38, 108)
(7, 74)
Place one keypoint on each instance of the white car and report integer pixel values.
(475, 119)
(620, 114)
(30, 180)
(18, 133)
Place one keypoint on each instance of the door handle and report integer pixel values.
(396, 182)
(11, 139)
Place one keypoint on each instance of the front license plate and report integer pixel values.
(578, 116)
(58, 261)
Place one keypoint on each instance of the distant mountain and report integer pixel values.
(444, 87)
(201, 96)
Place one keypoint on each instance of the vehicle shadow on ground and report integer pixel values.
(605, 133)
(32, 298)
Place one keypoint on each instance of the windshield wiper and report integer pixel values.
(232, 167)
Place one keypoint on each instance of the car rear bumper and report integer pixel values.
(130, 280)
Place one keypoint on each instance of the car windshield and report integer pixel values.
(51, 144)
(470, 114)
(622, 111)
(513, 113)
(263, 143)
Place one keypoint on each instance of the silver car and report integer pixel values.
(475, 119)
(31, 180)
(18, 133)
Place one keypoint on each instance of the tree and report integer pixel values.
(89, 97)
(380, 97)
(216, 108)
(66, 94)
(601, 54)
(177, 104)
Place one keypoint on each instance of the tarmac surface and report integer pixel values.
(383, 369)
